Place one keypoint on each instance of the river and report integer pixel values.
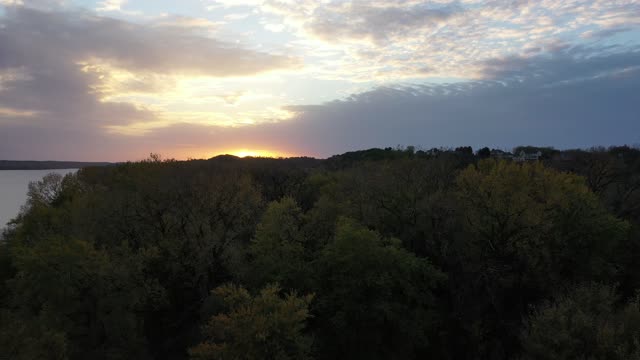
(13, 190)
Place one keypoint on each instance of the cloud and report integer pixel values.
(187, 23)
(447, 36)
(605, 32)
(236, 16)
(566, 63)
(568, 101)
(78, 36)
(58, 68)
(358, 20)
(111, 5)
(571, 100)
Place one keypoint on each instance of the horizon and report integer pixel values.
(114, 80)
(396, 148)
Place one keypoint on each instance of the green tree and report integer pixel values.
(265, 326)
(584, 324)
(278, 249)
(375, 299)
(75, 301)
(29, 338)
(526, 230)
(401, 198)
(548, 221)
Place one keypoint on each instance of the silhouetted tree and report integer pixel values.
(484, 153)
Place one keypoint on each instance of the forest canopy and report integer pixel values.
(376, 254)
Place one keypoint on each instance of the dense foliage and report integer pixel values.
(377, 254)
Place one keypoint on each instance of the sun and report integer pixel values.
(253, 153)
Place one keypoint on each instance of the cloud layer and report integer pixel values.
(412, 38)
(52, 63)
(598, 106)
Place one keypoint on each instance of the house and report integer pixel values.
(522, 156)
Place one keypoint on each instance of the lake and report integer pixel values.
(13, 190)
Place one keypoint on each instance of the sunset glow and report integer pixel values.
(254, 153)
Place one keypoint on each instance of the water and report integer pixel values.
(13, 190)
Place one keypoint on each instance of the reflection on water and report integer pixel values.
(13, 190)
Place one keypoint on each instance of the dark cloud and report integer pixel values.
(564, 64)
(62, 95)
(568, 101)
(27, 34)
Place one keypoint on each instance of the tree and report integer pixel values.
(549, 220)
(278, 249)
(45, 191)
(584, 324)
(526, 231)
(464, 150)
(265, 326)
(400, 198)
(28, 339)
(484, 153)
(118, 262)
(73, 301)
(375, 299)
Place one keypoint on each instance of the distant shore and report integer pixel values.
(46, 165)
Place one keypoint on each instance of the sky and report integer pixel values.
(116, 80)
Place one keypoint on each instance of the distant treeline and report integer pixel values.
(376, 254)
(46, 165)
